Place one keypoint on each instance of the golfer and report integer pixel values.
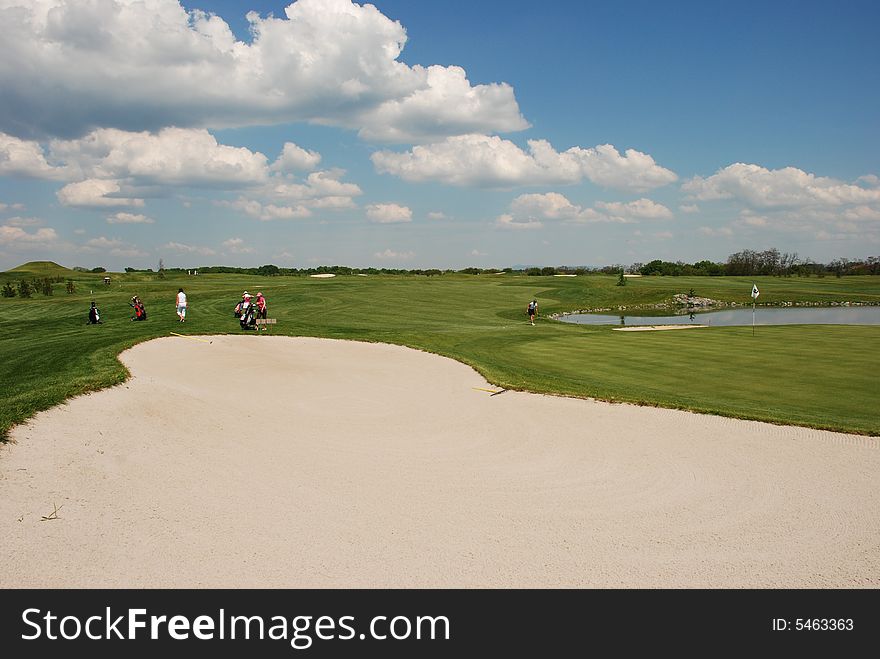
(181, 305)
(532, 310)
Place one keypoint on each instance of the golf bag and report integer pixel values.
(247, 317)
(140, 312)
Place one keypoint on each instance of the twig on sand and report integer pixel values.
(53, 514)
(194, 338)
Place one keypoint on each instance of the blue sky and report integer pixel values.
(449, 134)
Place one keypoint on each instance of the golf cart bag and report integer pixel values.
(248, 315)
(140, 312)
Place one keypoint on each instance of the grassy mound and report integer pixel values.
(42, 269)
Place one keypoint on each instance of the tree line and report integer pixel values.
(745, 263)
(770, 262)
(26, 288)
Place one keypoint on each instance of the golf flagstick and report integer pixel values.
(755, 295)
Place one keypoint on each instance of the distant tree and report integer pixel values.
(838, 266)
(708, 268)
(742, 263)
(8, 289)
(548, 271)
(788, 263)
(654, 267)
(161, 269)
(24, 288)
(71, 287)
(46, 286)
(621, 280)
(130, 270)
(770, 261)
(269, 270)
(99, 269)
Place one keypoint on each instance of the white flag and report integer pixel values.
(755, 292)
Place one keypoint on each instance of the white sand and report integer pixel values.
(260, 461)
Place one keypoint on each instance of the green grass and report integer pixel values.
(819, 376)
(41, 269)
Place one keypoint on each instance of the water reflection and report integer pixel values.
(742, 316)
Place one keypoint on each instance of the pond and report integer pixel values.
(741, 316)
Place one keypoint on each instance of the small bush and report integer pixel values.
(24, 289)
(8, 290)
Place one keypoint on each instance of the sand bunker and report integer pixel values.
(277, 462)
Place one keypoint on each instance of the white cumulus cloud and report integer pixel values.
(129, 218)
(716, 232)
(294, 157)
(237, 246)
(391, 255)
(389, 213)
(17, 238)
(171, 156)
(491, 161)
(189, 249)
(283, 199)
(267, 212)
(95, 193)
(639, 209)
(318, 185)
(551, 206)
(531, 211)
(446, 104)
(788, 187)
(112, 246)
(862, 214)
(71, 66)
(508, 221)
(20, 157)
(23, 221)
